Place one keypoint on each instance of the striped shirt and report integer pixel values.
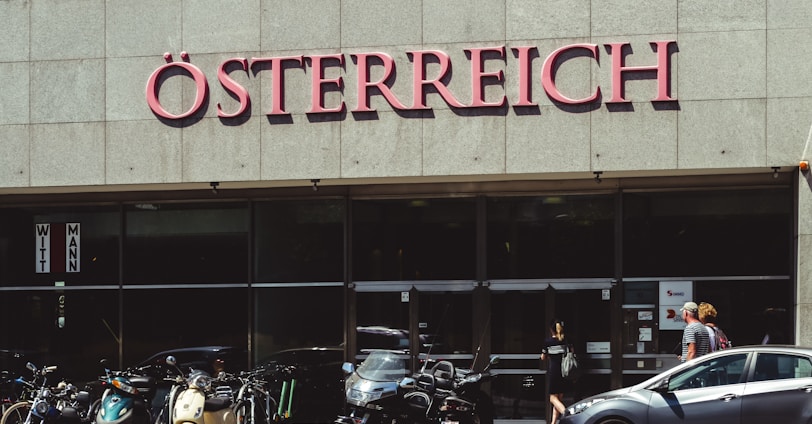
(695, 333)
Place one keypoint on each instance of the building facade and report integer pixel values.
(278, 174)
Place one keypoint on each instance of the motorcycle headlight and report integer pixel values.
(124, 386)
(362, 396)
(582, 406)
(201, 382)
(41, 408)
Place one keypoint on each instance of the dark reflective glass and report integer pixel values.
(550, 237)
(414, 239)
(709, 233)
(383, 322)
(747, 311)
(40, 246)
(160, 319)
(297, 318)
(445, 318)
(299, 241)
(518, 322)
(186, 243)
(72, 329)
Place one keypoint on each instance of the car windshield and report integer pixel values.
(383, 366)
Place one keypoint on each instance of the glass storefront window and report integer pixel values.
(73, 329)
(445, 318)
(414, 239)
(748, 310)
(161, 319)
(383, 321)
(297, 318)
(550, 237)
(299, 241)
(186, 243)
(77, 245)
(709, 233)
(518, 323)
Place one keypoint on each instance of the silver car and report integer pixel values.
(748, 385)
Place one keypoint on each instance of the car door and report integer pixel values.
(779, 389)
(708, 392)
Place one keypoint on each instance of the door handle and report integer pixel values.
(728, 397)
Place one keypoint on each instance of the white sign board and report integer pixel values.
(674, 294)
(598, 347)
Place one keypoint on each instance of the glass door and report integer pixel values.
(521, 313)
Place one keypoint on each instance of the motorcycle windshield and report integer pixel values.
(383, 366)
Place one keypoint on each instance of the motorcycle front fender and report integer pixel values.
(115, 409)
(189, 407)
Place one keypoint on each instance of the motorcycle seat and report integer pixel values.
(216, 404)
(443, 373)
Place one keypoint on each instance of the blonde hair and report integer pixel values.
(557, 328)
(707, 313)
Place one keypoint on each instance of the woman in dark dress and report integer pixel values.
(554, 348)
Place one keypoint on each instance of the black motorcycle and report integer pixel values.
(469, 404)
(448, 395)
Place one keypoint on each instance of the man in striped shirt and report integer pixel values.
(695, 339)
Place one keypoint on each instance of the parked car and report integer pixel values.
(749, 384)
(199, 358)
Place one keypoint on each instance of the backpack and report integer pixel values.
(722, 342)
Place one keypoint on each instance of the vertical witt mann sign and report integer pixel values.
(57, 247)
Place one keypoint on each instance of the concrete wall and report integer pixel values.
(73, 112)
(73, 109)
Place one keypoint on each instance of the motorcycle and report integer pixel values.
(468, 403)
(448, 395)
(374, 391)
(64, 403)
(126, 398)
(198, 401)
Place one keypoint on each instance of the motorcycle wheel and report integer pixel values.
(17, 413)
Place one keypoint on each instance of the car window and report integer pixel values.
(775, 366)
(718, 371)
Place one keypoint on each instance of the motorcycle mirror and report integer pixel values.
(348, 368)
(407, 383)
(494, 359)
(31, 367)
(170, 360)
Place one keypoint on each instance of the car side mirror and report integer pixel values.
(661, 386)
(348, 368)
(407, 383)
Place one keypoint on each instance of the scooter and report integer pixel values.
(127, 397)
(199, 402)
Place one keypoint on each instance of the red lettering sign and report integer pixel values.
(421, 84)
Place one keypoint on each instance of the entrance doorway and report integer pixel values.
(521, 313)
